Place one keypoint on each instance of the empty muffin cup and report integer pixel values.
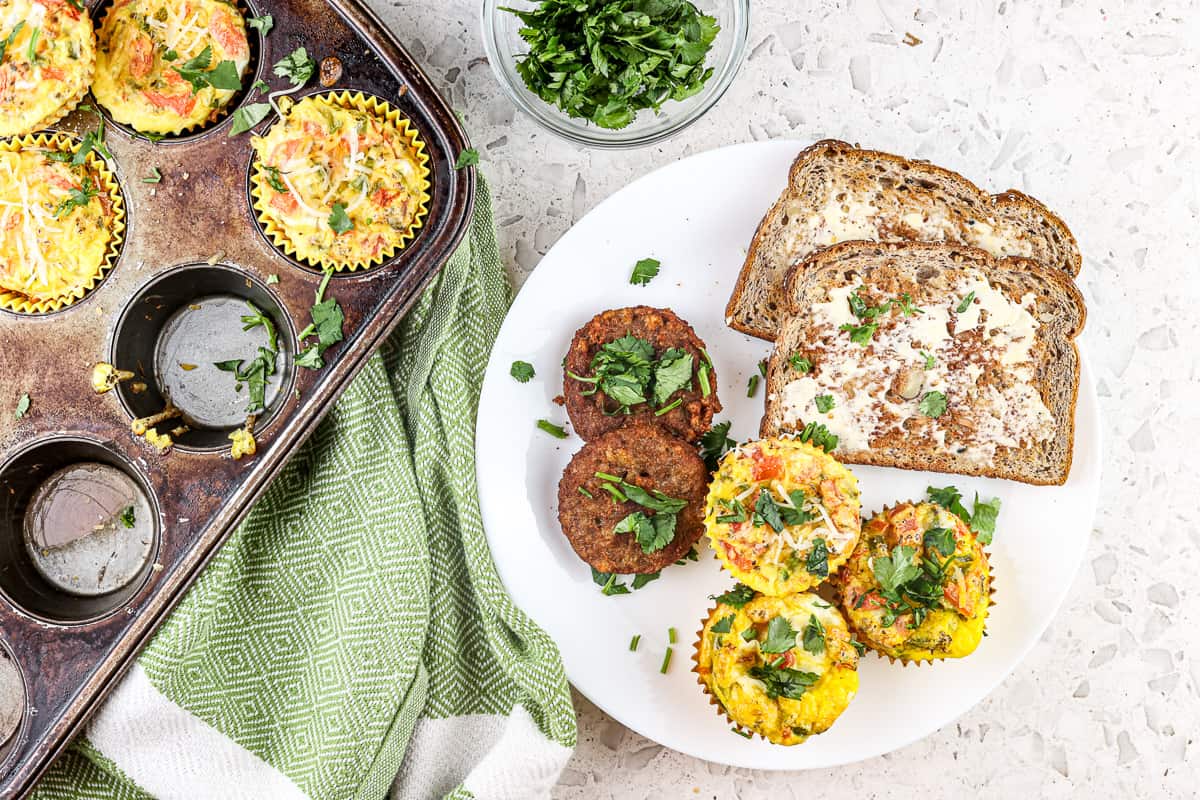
(191, 338)
(79, 529)
(12, 703)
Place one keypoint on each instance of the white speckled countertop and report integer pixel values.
(1094, 108)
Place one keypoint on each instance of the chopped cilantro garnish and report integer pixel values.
(736, 597)
(716, 443)
(814, 636)
(644, 271)
(296, 66)
(521, 371)
(781, 636)
(817, 562)
(800, 364)
(339, 221)
(247, 116)
(261, 24)
(782, 681)
(861, 334)
(933, 404)
(128, 518)
(824, 403)
(723, 625)
(467, 158)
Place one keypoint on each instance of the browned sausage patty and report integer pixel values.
(645, 455)
(591, 415)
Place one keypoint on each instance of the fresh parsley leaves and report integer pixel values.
(818, 436)
(467, 158)
(939, 539)
(327, 321)
(247, 116)
(933, 404)
(723, 625)
(814, 636)
(628, 372)
(982, 520)
(606, 60)
(817, 562)
(644, 271)
(783, 681)
(77, 197)
(261, 24)
(554, 430)
(521, 371)
(767, 510)
(716, 443)
(781, 636)
(824, 403)
(800, 364)
(736, 597)
(929, 362)
(895, 570)
(128, 517)
(860, 334)
(23, 403)
(195, 70)
(275, 180)
(611, 585)
(339, 221)
(653, 533)
(296, 66)
(258, 371)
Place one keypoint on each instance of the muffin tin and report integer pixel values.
(193, 252)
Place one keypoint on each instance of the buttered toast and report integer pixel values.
(837, 192)
(933, 357)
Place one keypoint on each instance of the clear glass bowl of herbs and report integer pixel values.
(615, 73)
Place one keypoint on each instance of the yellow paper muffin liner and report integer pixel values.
(369, 104)
(104, 178)
(717, 705)
(72, 103)
(217, 114)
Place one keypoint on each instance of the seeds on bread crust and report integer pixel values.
(594, 412)
(646, 456)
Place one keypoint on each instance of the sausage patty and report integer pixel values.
(645, 455)
(597, 413)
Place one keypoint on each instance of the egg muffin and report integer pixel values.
(47, 62)
(783, 667)
(918, 585)
(165, 66)
(782, 515)
(341, 181)
(59, 225)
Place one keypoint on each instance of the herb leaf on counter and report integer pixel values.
(467, 158)
(22, 405)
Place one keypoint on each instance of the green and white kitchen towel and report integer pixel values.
(352, 635)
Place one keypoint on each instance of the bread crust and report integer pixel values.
(862, 256)
(737, 315)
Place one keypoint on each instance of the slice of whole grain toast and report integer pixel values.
(837, 192)
(986, 390)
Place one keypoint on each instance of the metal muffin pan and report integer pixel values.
(192, 237)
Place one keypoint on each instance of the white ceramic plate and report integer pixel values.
(697, 216)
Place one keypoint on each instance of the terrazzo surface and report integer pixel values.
(1091, 107)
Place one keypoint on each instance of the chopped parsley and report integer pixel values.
(939, 539)
(817, 562)
(653, 532)
(296, 66)
(800, 364)
(642, 579)
(608, 583)
(339, 221)
(966, 303)
(814, 636)
(860, 334)
(628, 372)
(128, 518)
(195, 70)
(467, 158)
(933, 404)
(929, 362)
(644, 271)
(736, 597)
(554, 430)
(783, 681)
(275, 180)
(781, 636)
(982, 520)
(716, 443)
(723, 625)
(327, 322)
(824, 403)
(76, 198)
(521, 371)
(818, 435)
(261, 24)
(247, 116)
(23, 403)
(607, 60)
(258, 371)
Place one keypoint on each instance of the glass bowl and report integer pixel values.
(503, 43)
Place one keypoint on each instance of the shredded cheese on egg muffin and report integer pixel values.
(344, 186)
(782, 515)
(47, 63)
(783, 667)
(918, 585)
(56, 224)
(168, 65)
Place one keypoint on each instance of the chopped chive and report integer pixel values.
(665, 409)
(585, 492)
(702, 374)
(554, 430)
(671, 635)
(155, 176)
(633, 643)
(707, 358)
(666, 662)
(762, 368)
(742, 733)
(604, 476)
(752, 386)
